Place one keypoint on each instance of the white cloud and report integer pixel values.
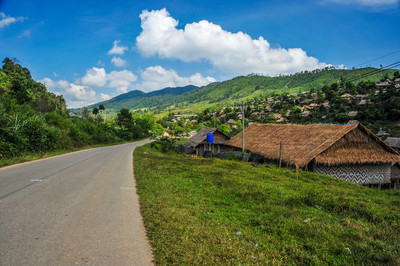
(122, 78)
(234, 53)
(98, 77)
(341, 66)
(6, 20)
(370, 3)
(50, 84)
(79, 92)
(122, 90)
(25, 33)
(105, 96)
(118, 61)
(119, 50)
(75, 95)
(95, 77)
(156, 77)
(100, 63)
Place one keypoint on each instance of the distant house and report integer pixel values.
(347, 96)
(362, 102)
(353, 113)
(382, 133)
(383, 85)
(394, 143)
(349, 152)
(198, 143)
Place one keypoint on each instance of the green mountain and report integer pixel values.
(239, 88)
(138, 99)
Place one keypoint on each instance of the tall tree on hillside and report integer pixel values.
(95, 111)
(124, 119)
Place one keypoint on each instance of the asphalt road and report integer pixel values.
(77, 208)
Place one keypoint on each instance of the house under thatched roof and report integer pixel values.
(197, 142)
(350, 152)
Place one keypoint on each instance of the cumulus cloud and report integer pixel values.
(156, 77)
(105, 96)
(234, 53)
(118, 50)
(118, 61)
(79, 92)
(95, 77)
(98, 77)
(122, 90)
(6, 20)
(75, 95)
(49, 83)
(122, 78)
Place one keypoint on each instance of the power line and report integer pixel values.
(376, 71)
(378, 58)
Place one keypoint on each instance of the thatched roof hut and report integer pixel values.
(197, 142)
(201, 136)
(326, 144)
(317, 145)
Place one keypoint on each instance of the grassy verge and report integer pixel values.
(26, 157)
(202, 211)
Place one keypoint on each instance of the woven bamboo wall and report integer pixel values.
(359, 174)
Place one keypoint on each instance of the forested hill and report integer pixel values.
(239, 88)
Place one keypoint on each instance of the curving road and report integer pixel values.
(77, 208)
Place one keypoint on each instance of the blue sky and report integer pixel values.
(93, 50)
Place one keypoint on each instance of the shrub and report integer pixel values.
(164, 145)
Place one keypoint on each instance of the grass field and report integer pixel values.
(208, 211)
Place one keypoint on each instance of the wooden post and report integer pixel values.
(288, 162)
(280, 154)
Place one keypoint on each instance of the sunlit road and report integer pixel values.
(78, 208)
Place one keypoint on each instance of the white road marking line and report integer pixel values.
(36, 180)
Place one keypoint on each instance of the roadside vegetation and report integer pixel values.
(35, 122)
(209, 211)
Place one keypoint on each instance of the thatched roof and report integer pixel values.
(201, 136)
(325, 144)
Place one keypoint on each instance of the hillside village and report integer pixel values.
(376, 105)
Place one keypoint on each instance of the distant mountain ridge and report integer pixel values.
(138, 99)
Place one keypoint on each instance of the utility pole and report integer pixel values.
(242, 126)
(214, 120)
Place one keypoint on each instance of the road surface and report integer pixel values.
(77, 208)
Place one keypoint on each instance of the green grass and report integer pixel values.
(194, 207)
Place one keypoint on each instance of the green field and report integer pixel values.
(209, 211)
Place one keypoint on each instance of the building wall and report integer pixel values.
(359, 174)
(395, 174)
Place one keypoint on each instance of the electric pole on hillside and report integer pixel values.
(242, 126)
(214, 119)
